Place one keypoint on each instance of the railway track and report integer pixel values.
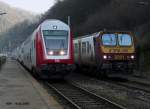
(135, 85)
(142, 90)
(130, 98)
(81, 98)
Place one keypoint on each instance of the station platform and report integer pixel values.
(19, 90)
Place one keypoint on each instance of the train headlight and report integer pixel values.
(104, 57)
(50, 52)
(132, 57)
(62, 52)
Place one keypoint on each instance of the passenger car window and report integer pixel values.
(84, 48)
(76, 48)
(88, 47)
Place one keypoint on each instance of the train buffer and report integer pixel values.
(19, 90)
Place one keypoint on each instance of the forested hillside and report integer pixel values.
(12, 17)
(16, 35)
(89, 16)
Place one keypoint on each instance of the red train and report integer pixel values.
(48, 52)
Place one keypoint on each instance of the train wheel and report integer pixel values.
(130, 71)
(78, 69)
(103, 74)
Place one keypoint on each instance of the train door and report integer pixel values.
(79, 56)
(83, 51)
(30, 57)
(90, 51)
(87, 51)
(76, 51)
(35, 35)
(32, 53)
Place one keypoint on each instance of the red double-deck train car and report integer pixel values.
(48, 52)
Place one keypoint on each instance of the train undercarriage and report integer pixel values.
(54, 71)
(109, 69)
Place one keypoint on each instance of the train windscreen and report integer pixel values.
(116, 39)
(109, 39)
(124, 40)
(56, 41)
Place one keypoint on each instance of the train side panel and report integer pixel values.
(84, 51)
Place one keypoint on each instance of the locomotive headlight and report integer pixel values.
(62, 52)
(50, 52)
(105, 57)
(109, 57)
(132, 57)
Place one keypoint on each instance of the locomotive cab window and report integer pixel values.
(109, 39)
(124, 40)
(56, 41)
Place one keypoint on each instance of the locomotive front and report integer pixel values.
(118, 51)
(58, 51)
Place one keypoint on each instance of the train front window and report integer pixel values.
(109, 39)
(56, 41)
(124, 40)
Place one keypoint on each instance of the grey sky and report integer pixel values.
(36, 6)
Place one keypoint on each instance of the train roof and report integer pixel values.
(85, 36)
(101, 32)
(53, 24)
